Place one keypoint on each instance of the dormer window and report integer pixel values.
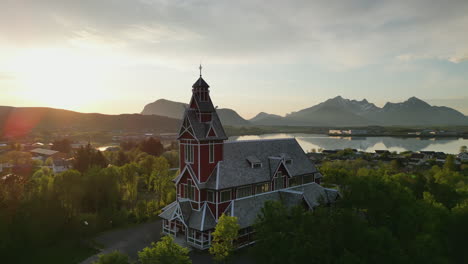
(254, 162)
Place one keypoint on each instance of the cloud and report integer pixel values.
(335, 34)
(5, 76)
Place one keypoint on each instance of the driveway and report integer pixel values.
(129, 241)
(132, 240)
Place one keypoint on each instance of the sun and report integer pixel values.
(58, 78)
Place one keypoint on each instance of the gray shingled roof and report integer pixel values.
(42, 151)
(201, 129)
(204, 106)
(169, 210)
(200, 83)
(247, 209)
(235, 169)
(201, 220)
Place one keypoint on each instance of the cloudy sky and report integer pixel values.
(115, 56)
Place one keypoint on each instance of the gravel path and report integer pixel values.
(129, 241)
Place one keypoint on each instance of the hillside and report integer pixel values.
(19, 121)
(173, 109)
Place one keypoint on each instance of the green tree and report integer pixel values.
(165, 251)
(87, 157)
(463, 149)
(161, 179)
(49, 162)
(226, 231)
(152, 147)
(63, 145)
(129, 181)
(450, 163)
(147, 165)
(70, 189)
(115, 257)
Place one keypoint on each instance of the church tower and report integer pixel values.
(201, 139)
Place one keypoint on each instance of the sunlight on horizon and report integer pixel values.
(58, 78)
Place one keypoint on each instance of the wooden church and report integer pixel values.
(218, 176)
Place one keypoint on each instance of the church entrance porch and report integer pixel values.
(174, 227)
(198, 239)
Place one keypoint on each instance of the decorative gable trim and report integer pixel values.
(211, 131)
(192, 100)
(186, 127)
(178, 215)
(202, 224)
(191, 174)
(286, 168)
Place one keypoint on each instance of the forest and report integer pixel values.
(43, 213)
(387, 214)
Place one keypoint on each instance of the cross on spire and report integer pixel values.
(200, 69)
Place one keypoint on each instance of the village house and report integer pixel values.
(463, 157)
(43, 154)
(218, 176)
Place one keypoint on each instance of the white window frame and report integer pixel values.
(256, 165)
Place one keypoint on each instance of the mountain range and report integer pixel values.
(164, 116)
(20, 121)
(334, 112)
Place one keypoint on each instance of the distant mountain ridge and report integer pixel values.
(339, 111)
(19, 121)
(163, 107)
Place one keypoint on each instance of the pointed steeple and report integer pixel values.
(200, 83)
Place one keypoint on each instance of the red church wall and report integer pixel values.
(212, 208)
(222, 207)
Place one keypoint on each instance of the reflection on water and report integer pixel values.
(368, 144)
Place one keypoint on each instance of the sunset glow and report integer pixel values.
(58, 78)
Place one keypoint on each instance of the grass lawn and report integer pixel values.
(61, 253)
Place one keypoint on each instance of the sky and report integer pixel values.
(115, 56)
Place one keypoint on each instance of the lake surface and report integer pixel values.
(368, 144)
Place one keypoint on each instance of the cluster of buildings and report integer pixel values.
(57, 161)
(347, 132)
(407, 158)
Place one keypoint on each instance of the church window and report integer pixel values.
(262, 187)
(191, 190)
(210, 196)
(244, 191)
(211, 150)
(279, 181)
(189, 153)
(225, 196)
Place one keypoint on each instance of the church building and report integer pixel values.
(218, 176)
